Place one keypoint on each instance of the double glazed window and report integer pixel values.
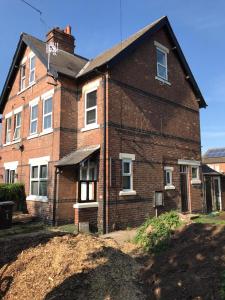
(162, 71)
(17, 126)
(9, 176)
(22, 77)
(127, 174)
(38, 180)
(195, 173)
(33, 119)
(47, 114)
(32, 69)
(8, 130)
(91, 108)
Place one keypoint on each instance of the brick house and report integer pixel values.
(106, 140)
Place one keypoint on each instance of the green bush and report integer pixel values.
(14, 192)
(155, 233)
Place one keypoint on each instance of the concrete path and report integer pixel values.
(121, 236)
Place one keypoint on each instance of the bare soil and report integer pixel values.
(87, 267)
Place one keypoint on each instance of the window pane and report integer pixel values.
(162, 71)
(126, 183)
(91, 99)
(7, 176)
(43, 188)
(12, 176)
(34, 172)
(34, 188)
(48, 106)
(33, 127)
(168, 179)
(43, 171)
(194, 173)
(83, 196)
(91, 116)
(18, 119)
(126, 167)
(161, 57)
(34, 112)
(48, 122)
(32, 62)
(8, 123)
(83, 173)
(17, 133)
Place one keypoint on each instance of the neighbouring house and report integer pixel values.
(213, 170)
(107, 140)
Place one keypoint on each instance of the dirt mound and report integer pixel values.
(71, 267)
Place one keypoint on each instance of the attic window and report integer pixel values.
(32, 69)
(161, 62)
(22, 77)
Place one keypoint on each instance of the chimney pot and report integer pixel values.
(68, 29)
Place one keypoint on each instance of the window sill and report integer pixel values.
(162, 80)
(32, 136)
(37, 198)
(85, 205)
(169, 187)
(127, 193)
(91, 127)
(46, 132)
(26, 88)
(16, 141)
(196, 181)
(7, 144)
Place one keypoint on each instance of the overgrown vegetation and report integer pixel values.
(217, 218)
(155, 233)
(14, 192)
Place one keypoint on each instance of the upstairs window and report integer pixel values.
(127, 175)
(32, 69)
(91, 108)
(162, 71)
(8, 130)
(17, 126)
(47, 114)
(22, 77)
(33, 119)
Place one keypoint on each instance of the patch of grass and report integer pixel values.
(22, 228)
(222, 289)
(69, 228)
(155, 233)
(212, 218)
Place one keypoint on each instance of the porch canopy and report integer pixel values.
(206, 170)
(77, 156)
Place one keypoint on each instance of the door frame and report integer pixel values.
(186, 172)
(219, 185)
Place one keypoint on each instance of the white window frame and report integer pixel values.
(32, 70)
(169, 185)
(94, 124)
(7, 130)
(17, 126)
(46, 115)
(38, 179)
(165, 51)
(127, 158)
(11, 167)
(164, 66)
(197, 179)
(33, 120)
(22, 78)
(49, 94)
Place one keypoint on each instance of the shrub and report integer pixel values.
(14, 192)
(155, 233)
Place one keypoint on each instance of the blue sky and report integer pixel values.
(198, 25)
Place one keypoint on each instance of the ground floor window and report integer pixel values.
(38, 180)
(9, 176)
(168, 178)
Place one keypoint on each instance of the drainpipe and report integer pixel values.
(105, 229)
(56, 196)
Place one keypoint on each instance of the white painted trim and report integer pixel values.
(39, 160)
(16, 141)
(189, 162)
(31, 54)
(7, 144)
(11, 165)
(90, 108)
(34, 101)
(127, 156)
(33, 136)
(23, 60)
(37, 198)
(18, 110)
(47, 95)
(85, 205)
(127, 193)
(91, 86)
(26, 88)
(9, 115)
(90, 127)
(169, 187)
(162, 80)
(47, 131)
(160, 46)
(169, 168)
(196, 181)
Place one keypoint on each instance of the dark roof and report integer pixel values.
(117, 52)
(77, 156)
(206, 170)
(76, 66)
(64, 63)
(215, 152)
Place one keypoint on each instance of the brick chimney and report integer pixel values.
(63, 37)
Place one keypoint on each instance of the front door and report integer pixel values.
(184, 188)
(217, 194)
